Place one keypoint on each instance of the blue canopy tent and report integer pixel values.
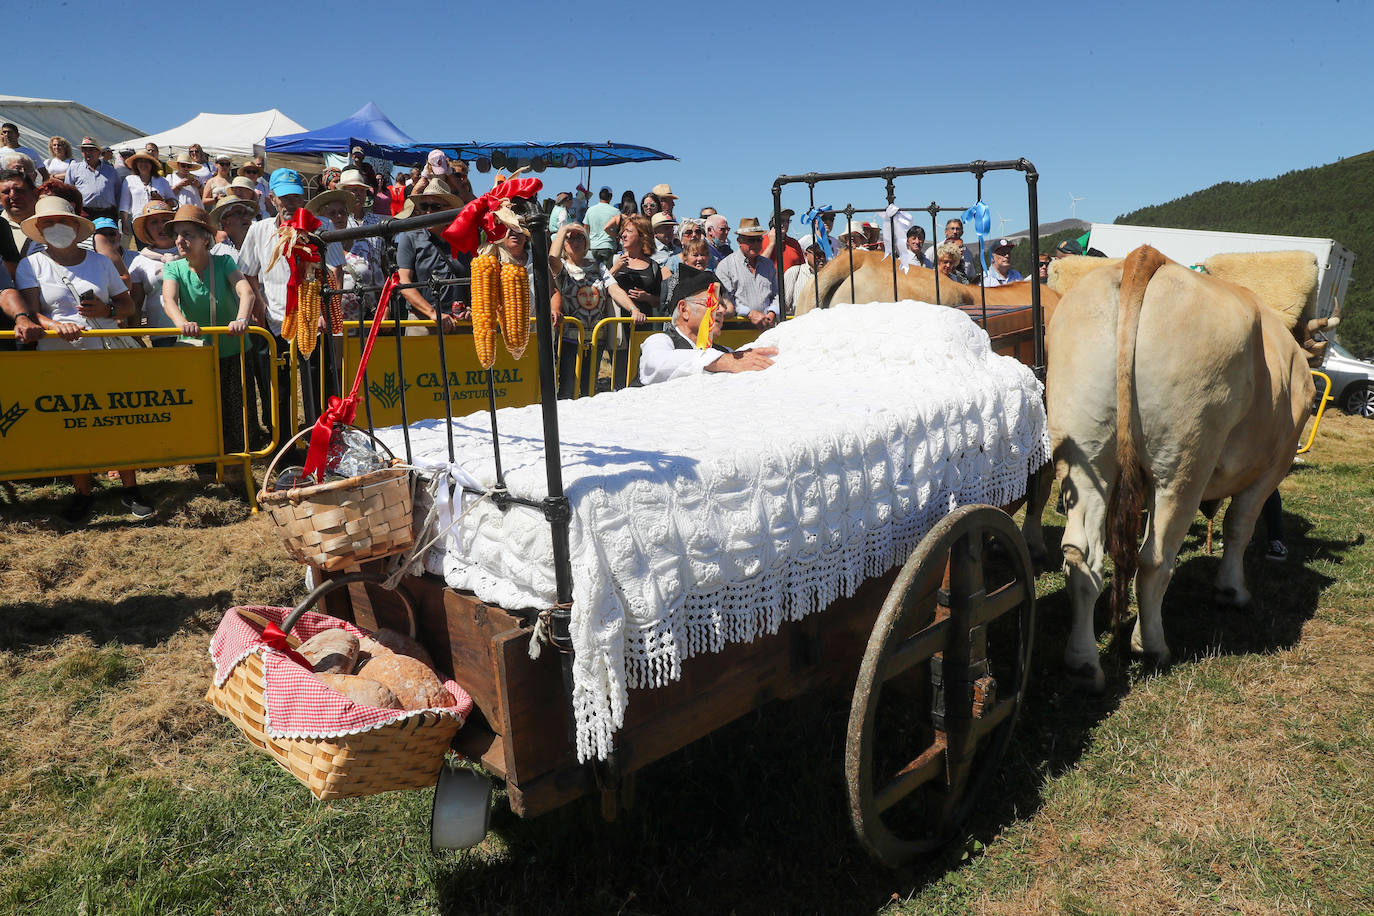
(564, 153)
(367, 124)
(584, 154)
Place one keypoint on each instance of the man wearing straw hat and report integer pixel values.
(96, 180)
(423, 254)
(749, 278)
(355, 264)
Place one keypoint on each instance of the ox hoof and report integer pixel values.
(1230, 598)
(1088, 679)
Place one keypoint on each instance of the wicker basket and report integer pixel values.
(342, 524)
(404, 755)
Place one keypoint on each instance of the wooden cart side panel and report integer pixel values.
(715, 690)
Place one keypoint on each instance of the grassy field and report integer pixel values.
(1240, 780)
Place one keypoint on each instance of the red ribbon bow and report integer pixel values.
(463, 234)
(344, 410)
(299, 254)
(273, 636)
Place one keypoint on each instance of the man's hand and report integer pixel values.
(762, 319)
(31, 331)
(752, 360)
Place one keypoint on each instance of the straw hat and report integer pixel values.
(432, 189)
(749, 226)
(52, 205)
(190, 213)
(229, 202)
(353, 178)
(140, 221)
(322, 200)
(662, 190)
(133, 161)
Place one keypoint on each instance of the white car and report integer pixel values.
(1352, 381)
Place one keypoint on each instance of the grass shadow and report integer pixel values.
(146, 620)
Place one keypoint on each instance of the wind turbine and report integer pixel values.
(1002, 224)
(1073, 202)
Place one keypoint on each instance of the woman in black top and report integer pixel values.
(633, 268)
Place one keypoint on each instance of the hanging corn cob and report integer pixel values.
(515, 308)
(486, 306)
(308, 314)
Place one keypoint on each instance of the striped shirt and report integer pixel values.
(253, 258)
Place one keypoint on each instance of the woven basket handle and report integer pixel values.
(325, 588)
(269, 482)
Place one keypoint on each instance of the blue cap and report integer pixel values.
(105, 223)
(286, 181)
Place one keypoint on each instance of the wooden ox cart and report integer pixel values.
(935, 651)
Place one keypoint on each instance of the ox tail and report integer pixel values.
(1128, 492)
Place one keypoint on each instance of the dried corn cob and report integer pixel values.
(336, 314)
(486, 306)
(515, 308)
(308, 315)
(288, 326)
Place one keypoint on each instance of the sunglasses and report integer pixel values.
(429, 208)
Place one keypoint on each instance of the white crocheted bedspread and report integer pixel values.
(708, 510)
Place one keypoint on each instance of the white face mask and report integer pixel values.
(60, 235)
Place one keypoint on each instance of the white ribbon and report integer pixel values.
(896, 223)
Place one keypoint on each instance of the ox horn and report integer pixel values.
(1322, 324)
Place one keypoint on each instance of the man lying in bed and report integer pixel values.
(688, 347)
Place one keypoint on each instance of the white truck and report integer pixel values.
(1193, 246)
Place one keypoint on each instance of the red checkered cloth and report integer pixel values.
(297, 704)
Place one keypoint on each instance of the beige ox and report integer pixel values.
(1174, 387)
(873, 283)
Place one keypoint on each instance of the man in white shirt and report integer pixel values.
(750, 279)
(269, 285)
(9, 143)
(1000, 272)
(680, 351)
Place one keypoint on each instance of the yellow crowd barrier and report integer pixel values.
(417, 373)
(86, 411)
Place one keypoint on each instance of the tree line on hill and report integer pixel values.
(1325, 201)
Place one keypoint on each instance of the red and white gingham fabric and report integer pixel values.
(298, 704)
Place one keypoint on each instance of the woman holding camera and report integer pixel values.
(67, 290)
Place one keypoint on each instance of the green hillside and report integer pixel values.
(1328, 201)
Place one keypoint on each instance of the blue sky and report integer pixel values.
(1121, 105)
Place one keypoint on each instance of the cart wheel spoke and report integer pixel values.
(940, 685)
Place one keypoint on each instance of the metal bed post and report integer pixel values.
(982, 280)
(849, 231)
(892, 229)
(778, 250)
(557, 509)
(1037, 314)
(935, 246)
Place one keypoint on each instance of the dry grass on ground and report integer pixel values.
(1241, 780)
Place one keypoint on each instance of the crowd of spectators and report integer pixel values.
(131, 239)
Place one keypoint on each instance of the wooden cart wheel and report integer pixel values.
(940, 684)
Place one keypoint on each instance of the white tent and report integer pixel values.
(39, 119)
(237, 136)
